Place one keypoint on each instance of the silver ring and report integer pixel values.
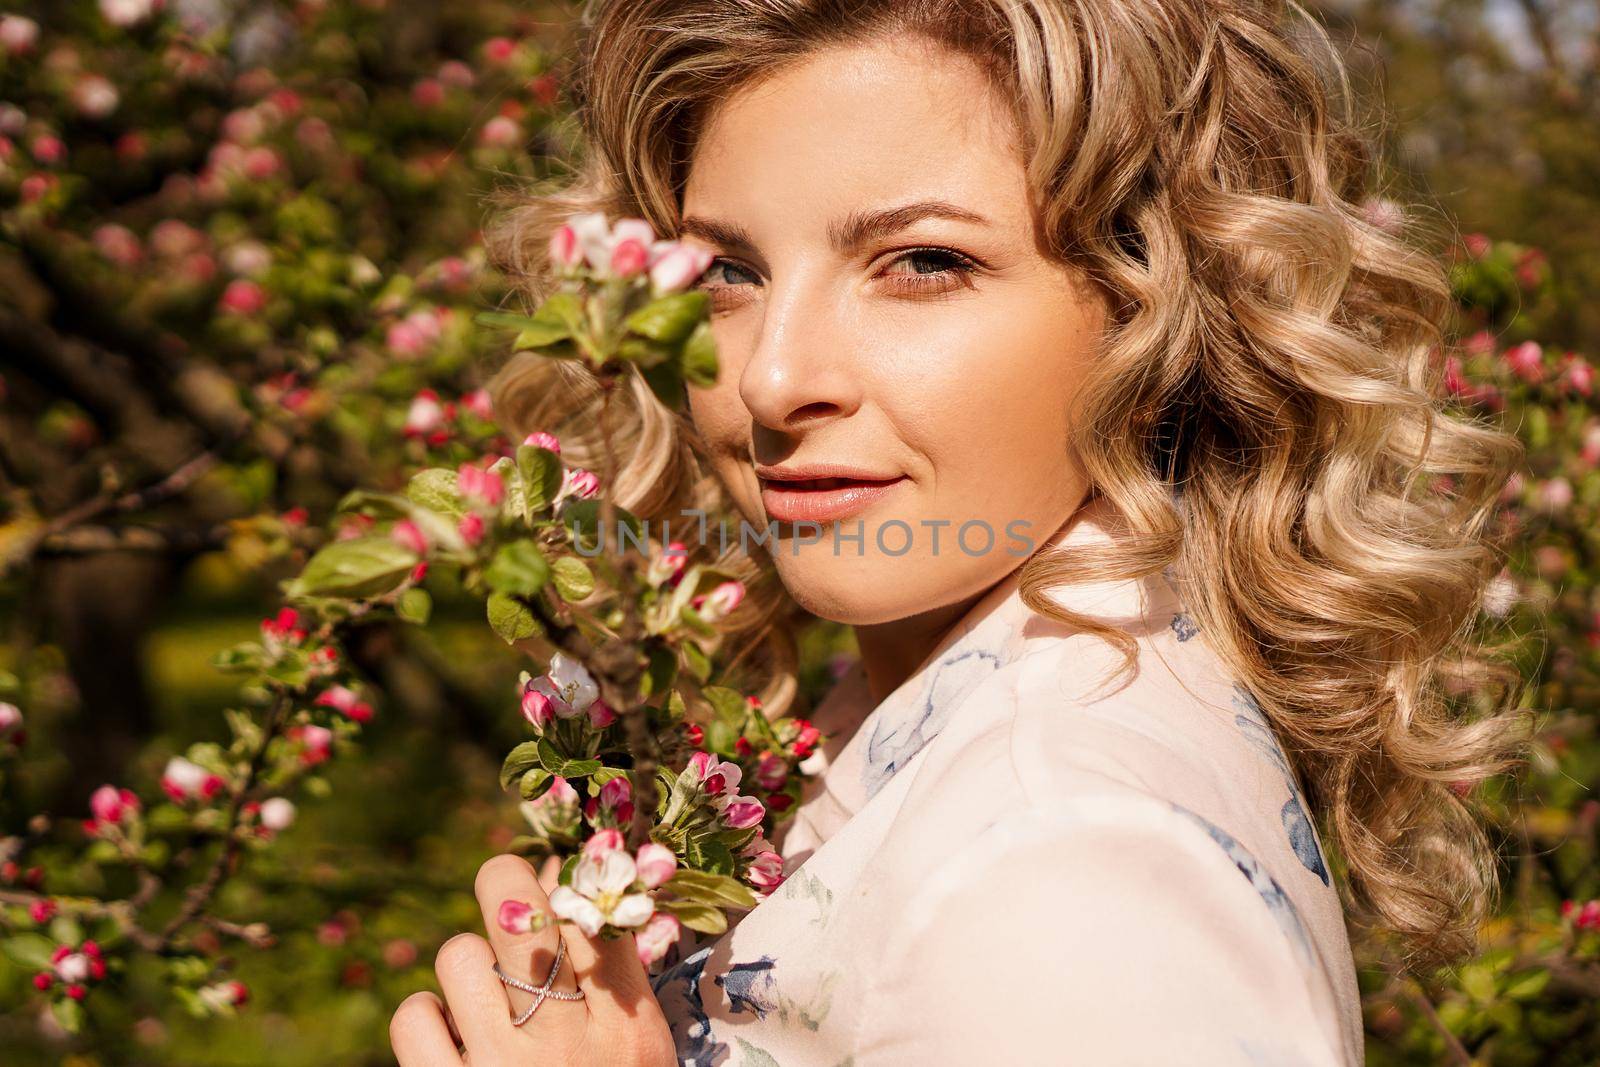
(540, 993)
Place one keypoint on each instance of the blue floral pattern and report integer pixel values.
(1296, 823)
(891, 746)
(1272, 895)
(696, 1045)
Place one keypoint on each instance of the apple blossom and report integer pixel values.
(471, 527)
(599, 894)
(573, 682)
(10, 718)
(520, 917)
(1526, 361)
(480, 485)
(656, 863)
(18, 34)
(243, 297)
(479, 403)
(425, 414)
(113, 805)
(677, 266)
(540, 439)
(410, 535)
(126, 13)
(316, 742)
(742, 812)
(277, 813)
(577, 482)
(538, 702)
(668, 564)
(720, 601)
(601, 715)
(628, 258)
(602, 841)
(118, 244)
(344, 700)
(565, 251)
(95, 97)
(183, 780)
(499, 50)
(500, 132)
(657, 936)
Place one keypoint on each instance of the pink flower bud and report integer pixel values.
(537, 708)
(720, 601)
(480, 404)
(18, 34)
(677, 267)
(277, 813)
(656, 863)
(42, 911)
(480, 485)
(519, 917)
(113, 805)
(601, 715)
(498, 50)
(668, 564)
(411, 536)
(628, 258)
(540, 439)
(243, 297)
(565, 251)
(580, 483)
(48, 149)
(771, 771)
(500, 132)
(743, 812)
(425, 415)
(616, 791)
(603, 841)
(471, 528)
(658, 935)
(1526, 361)
(94, 97)
(766, 870)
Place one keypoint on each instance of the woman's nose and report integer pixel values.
(799, 373)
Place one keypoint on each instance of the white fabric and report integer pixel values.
(1006, 862)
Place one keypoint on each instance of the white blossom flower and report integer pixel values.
(599, 894)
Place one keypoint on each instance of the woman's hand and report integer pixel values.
(616, 1024)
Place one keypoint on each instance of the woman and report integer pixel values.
(1094, 276)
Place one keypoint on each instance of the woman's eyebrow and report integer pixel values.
(846, 235)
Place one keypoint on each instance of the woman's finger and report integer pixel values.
(528, 956)
(420, 1035)
(465, 966)
(550, 874)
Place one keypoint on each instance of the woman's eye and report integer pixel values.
(932, 270)
(724, 272)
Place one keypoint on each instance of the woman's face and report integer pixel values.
(883, 315)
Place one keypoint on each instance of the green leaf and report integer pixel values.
(669, 319)
(1527, 986)
(435, 489)
(573, 579)
(359, 567)
(542, 475)
(30, 951)
(557, 319)
(660, 671)
(565, 877)
(666, 382)
(583, 518)
(717, 889)
(511, 618)
(556, 763)
(1477, 981)
(709, 854)
(700, 357)
(415, 605)
(518, 568)
(502, 320)
(69, 1013)
(696, 660)
(534, 783)
(695, 915)
(518, 760)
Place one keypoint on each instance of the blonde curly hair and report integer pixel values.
(1272, 354)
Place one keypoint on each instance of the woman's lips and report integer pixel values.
(822, 499)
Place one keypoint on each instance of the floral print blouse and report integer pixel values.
(1009, 861)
